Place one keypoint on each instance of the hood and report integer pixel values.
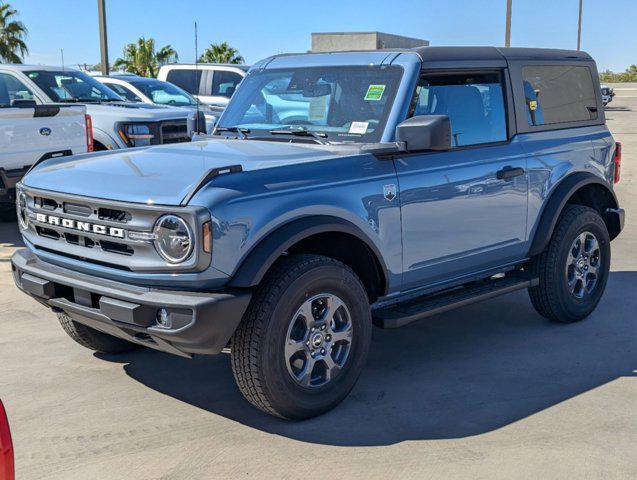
(136, 112)
(163, 174)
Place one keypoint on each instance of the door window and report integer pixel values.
(186, 79)
(558, 94)
(12, 89)
(474, 104)
(124, 92)
(225, 83)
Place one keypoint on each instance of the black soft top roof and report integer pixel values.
(494, 54)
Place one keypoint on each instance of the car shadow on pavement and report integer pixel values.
(10, 239)
(459, 374)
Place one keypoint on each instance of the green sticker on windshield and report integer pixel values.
(375, 92)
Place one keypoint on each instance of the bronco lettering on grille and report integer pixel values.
(80, 226)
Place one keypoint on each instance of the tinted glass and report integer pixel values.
(67, 86)
(344, 103)
(186, 79)
(124, 92)
(164, 93)
(473, 102)
(12, 89)
(559, 94)
(225, 83)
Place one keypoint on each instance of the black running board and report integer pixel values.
(401, 314)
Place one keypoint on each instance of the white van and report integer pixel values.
(212, 83)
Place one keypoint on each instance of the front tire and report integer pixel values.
(93, 339)
(304, 339)
(573, 269)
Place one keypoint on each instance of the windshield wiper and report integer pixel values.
(243, 132)
(79, 100)
(302, 132)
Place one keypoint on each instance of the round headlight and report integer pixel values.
(22, 211)
(173, 239)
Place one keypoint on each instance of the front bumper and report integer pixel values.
(202, 323)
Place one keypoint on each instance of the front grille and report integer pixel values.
(175, 131)
(109, 233)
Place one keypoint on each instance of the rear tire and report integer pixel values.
(93, 339)
(304, 339)
(568, 290)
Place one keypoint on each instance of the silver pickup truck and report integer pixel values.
(30, 133)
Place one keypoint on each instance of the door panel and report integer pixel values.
(457, 216)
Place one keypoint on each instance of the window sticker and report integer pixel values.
(533, 105)
(375, 93)
(359, 128)
(318, 108)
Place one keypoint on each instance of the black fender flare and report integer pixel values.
(550, 214)
(258, 261)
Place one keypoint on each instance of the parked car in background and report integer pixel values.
(608, 94)
(214, 84)
(116, 123)
(30, 133)
(157, 92)
(339, 190)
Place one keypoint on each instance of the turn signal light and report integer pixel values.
(207, 238)
(618, 161)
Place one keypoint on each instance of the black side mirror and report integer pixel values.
(425, 132)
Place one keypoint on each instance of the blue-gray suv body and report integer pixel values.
(338, 190)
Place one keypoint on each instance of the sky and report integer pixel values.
(259, 29)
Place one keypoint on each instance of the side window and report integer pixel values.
(13, 89)
(225, 83)
(558, 94)
(474, 104)
(186, 79)
(124, 92)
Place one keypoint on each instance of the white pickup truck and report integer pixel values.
(30, 133)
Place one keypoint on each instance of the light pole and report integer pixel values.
(101, 11)
(579, 27)
(507, 37)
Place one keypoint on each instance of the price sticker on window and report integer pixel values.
(375, 93)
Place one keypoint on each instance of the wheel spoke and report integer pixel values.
(591, 246)
(333, 304)
(331, 367)
(306, 312)
(344, 334)
(292, 347)
(305, 378)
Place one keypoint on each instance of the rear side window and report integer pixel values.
(186, 79)
(474, 104)
(12, 89)
(225, 83)
(559, 94)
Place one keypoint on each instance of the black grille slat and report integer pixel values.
(113, 215)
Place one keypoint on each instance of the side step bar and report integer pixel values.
(401, 314)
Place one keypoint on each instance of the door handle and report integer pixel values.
(509, 172)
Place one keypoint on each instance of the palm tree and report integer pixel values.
(12, 35)
(221, 53)
(141, 58)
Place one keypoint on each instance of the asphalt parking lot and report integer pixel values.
(488, 391)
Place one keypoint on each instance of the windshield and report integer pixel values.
(341, 103)
(164, 93)
(68, 86)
